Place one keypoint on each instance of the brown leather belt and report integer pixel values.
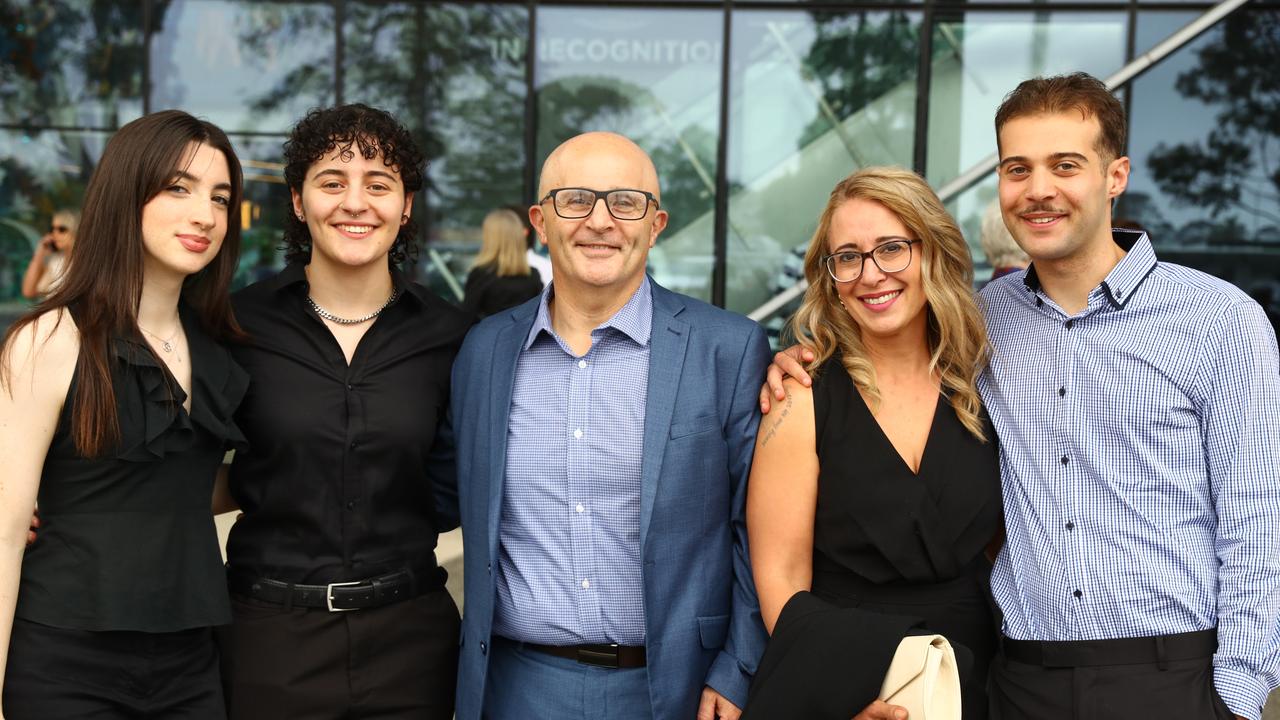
(609, 656)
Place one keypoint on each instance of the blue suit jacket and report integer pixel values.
(702, 619)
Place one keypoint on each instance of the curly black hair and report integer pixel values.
(347, 128)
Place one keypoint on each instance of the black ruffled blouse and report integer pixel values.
(127, 541)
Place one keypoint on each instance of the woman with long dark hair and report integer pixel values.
(115, 411)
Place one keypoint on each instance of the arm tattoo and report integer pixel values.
(773, 430)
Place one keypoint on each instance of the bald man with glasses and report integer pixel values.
(605, 432)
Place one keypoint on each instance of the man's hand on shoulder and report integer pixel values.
(786, 363)
(714, 706)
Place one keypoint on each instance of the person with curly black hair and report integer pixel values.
(350, 474)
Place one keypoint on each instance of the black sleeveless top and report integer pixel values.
(127, 541)
(892, 541)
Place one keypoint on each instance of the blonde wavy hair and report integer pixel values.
(502, 244)
(956, 333)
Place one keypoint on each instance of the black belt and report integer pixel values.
(1157, 649)
(341, 596)
(609, 656)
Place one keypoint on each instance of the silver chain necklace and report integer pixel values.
(166, 345)
(351, 321)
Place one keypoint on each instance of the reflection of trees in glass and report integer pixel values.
(1235, 166)
(60, 54)
(433, 67)
(685, 157)
(856, 58)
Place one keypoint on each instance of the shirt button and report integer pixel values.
(349, 387)
(351, 504)
(1064, 460)
(580, 508)
(1070, 526)
(1062, 391)
(586, 584)
(353, 444)
(1070, 323)
(582, 363)
(1077, 593)
(483, 648)
(578, 433)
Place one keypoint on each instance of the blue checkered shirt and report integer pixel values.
(569, 537)
(1140, 460)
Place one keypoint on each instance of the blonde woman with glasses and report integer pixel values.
(877, 487)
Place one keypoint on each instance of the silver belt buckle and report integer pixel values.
(328, 595)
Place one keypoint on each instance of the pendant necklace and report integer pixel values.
(166, 345)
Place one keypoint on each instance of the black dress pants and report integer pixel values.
(1087, 689)
(60, 673)
(396, 661)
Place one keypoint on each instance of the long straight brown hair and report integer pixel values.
(103, 282)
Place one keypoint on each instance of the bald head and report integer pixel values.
(598, 149)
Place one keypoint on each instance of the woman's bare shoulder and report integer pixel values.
(47, 347)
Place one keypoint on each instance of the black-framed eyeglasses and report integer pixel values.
(891, 256)
(624, 203)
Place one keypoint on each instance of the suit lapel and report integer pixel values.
(506, 352)
(668, 342)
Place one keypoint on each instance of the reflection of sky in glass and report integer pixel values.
(977, 61)
(201, 63)
(672, 54)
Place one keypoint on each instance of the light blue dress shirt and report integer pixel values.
(1140, 460)
(569, 537)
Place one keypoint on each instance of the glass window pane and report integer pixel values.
(979, 57)
(247, 67)
(455, 75)
(76, 63)
(1205, 138)
(813, 97)
(41, 172)
(652, 75)
(262, 209)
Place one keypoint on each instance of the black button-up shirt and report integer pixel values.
(349, 472)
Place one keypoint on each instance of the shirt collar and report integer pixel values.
(1119, 286)
(295, 274)
(634, 319)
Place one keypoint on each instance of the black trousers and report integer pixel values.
(396, 661)
(59, 673)
(1073, 684)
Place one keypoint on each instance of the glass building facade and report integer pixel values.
(751, 110)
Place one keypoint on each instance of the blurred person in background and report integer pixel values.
(49, 260)
(501, 277)
(998, 245)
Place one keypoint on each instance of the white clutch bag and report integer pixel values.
(923, 679)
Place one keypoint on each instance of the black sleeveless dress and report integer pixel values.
(127, 541)
(891, 541)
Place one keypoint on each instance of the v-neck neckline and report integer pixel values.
(928, 440)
